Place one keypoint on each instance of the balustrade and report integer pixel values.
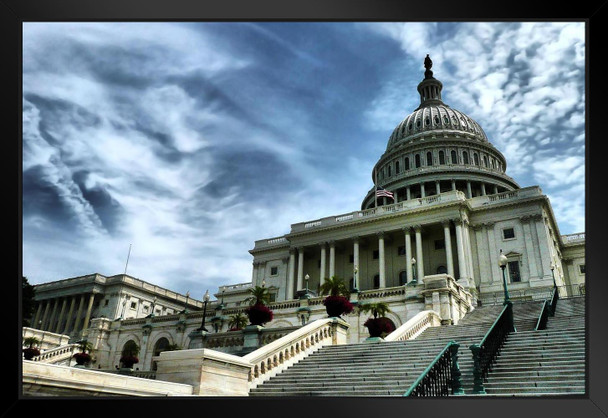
(414, 327)
(488, 349)
(441, 377)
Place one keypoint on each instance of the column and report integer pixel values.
(87, 316)
(300, 268)
(468, 252)
(381, 261)
(322, 273)
(448, 247)
(408, 254)
(356, 261)
(396, 197)
(483, 189)
(493, 252)
(254, 275)
(60, 320)
(453, 184)
(422, 194)
(68, 319)
(408, 193)
(528, 242)
(419, 259)
(462, 264)
(438, 186)
(482, 246)
(45, 316)
(495, 189)
(51, 324)
(291, 274)
(332, 258)
(469, 192)
(37, 317)
(78, 315)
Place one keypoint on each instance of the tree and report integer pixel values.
(334, 286)
(377, 309)
(27, 302)
(31, 351)
(259, 296)
(237, 321)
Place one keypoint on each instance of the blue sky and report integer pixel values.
(189, 141)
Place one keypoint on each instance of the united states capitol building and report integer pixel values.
(429, 251)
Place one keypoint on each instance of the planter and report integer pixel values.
(337, 306)
(259, 314)
(30, 353)
(128, 361)
(82, 358)
(379, 327)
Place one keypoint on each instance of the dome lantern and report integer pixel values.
(429, 88)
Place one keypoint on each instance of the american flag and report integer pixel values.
(381, 192)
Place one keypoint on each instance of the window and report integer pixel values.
(439, 244)
(453, 158)
(508, 233)
(465, 157)
(402, 278)
(376, 254)
(389, 170)
(396, 167)
(377, 281)
(105, 302)
(429, 158)
(406, 163)
(581, 268)
(485, 161)
(476, 159)
(274, 271)
(401, 250)
(133, 305)
(351, 284)
(417, 158)
(514, 271)
(441, 157)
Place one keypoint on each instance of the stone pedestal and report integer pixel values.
(197, 339)
(251, 337)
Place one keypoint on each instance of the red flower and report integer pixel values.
(82, 358)
(379, 327)
(259, 314)
(30, 353)
(337, 305)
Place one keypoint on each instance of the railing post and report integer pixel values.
(456, 382)
(478, 388)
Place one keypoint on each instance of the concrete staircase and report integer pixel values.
(547, 362)
(531, 361)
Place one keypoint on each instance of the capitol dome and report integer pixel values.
(436, 149)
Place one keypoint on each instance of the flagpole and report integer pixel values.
(375, 187)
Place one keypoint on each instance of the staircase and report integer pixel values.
(378, 369)
(547, 362)
(531, 362)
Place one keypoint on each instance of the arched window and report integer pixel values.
(402, 278)
(491, 163)
(429, 158)
(377, 281)
(465, 157)
(441, 157)
(161, 345)
(396, 167)
(453, 158)
(389, 170)
(475, 158)
(485, 161)
(406, 163)
(417, 158)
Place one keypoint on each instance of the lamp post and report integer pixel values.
(502, 263)
(306, 278)
(205, 301)
(553, 275)
(414, 281)
(355, 271)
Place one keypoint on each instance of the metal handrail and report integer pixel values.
(554, 299)
(441, 376)
(543, 317)
(484, 355)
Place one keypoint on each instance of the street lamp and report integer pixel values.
(414, 281)
(502, 263)
(263, 282)
(205, 301)
(306, 278)
(355, 271)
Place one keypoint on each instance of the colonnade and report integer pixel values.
(295, 271)
(57, 314)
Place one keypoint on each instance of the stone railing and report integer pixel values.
(573, 238)
(380, 293)
(505, 196)
(415, 326)
(346, 218)
(57, 354)
(276, 356)
(47, 339)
